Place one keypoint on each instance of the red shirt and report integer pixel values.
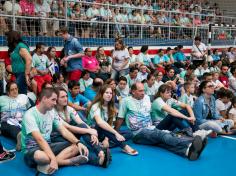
(225, 80)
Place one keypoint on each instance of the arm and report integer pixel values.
(76, 107)
(104, 125)
(118, 123)
(189, 109)
(46, 148)
(125, 63)
(174, 112)
(198, 111)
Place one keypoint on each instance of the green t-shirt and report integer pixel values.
(96, 110)
(17, 62)
(33, 120)
(136, 112)
(157, 112)
(70, 117)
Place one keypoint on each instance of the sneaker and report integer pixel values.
(79, 160)
(202, 133)
(7, 156)
(195, 148)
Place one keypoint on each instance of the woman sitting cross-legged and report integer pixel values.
(206, 113)
(12, 107)
(72, 121)
(165, 112)
(101, 114)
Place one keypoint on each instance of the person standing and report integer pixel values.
(21, 60)
(73, 51)
(199, 51)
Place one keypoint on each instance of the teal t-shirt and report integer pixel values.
(157, 111)
(97, 110)
(13, 109)
(17, 62)
(136, 112)
(33, 120)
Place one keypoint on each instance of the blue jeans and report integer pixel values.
(21, 82)
(86, 140)
(116, 74)
(169, 141)
(103, 133)
(171, 123)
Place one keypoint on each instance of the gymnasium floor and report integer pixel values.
(217, 159)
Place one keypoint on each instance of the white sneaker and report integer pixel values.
(202, 133)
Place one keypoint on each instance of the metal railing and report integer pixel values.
(106, 21)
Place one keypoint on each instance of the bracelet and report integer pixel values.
(77, 142)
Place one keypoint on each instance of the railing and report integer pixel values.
(111, 21)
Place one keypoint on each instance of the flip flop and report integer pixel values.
(132, 153)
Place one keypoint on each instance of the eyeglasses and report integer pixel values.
(210, 86)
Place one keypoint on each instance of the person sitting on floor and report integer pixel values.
(207, 116)
(136, 112)
(100, 116)
(39, 151)
(12, 107)
(73, 123)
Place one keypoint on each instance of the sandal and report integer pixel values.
(132, 152)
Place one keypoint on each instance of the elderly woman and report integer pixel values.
(12, 108)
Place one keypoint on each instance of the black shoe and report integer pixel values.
(107, 158)
(195, 148)
(7, 156)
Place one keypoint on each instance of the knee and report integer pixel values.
(215, 127)
(41, 157)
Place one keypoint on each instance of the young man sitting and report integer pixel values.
(37, 147)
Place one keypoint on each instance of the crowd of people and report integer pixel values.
(69, 110)
(86, 19)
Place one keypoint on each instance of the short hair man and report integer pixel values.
(38, 149)
(136, 111)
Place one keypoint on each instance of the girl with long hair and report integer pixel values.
(101, 115)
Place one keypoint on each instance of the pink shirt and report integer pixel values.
(90, 63)
(27, 7)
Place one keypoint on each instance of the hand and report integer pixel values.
(83, 150)
(120, 137)
(27, 79)
(94, 140)
(105, 143)
(191, 119)
(222, 119)
(53, 166)
(65, 59)
(93, 132)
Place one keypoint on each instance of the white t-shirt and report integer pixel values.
(220, 106)
(202, 48)
(120, 57)
(233, 112)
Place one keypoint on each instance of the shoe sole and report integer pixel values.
(106, 161)
(196, 148)
(4, 161)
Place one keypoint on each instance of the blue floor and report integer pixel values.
(218, 159)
